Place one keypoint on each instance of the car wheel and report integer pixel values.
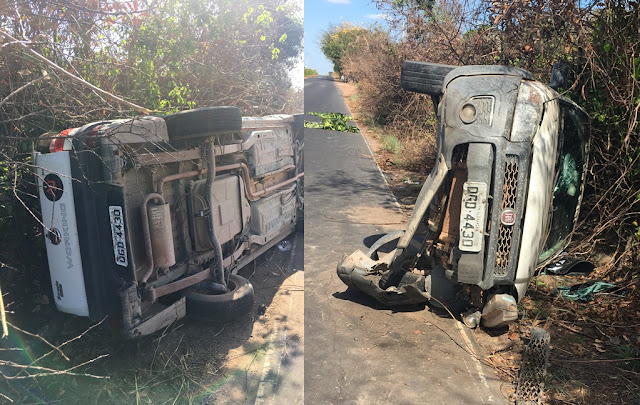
(202, 121)
(203, 303)
(423, 77)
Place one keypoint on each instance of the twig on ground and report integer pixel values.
(45, 341)
(572, 329)
(57, 348)
(49, 371)
(3, 317)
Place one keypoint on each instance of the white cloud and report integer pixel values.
(340, 1)
(381, 16)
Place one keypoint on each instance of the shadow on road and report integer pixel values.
(340, 181)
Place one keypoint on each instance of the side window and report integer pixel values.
(572, 154)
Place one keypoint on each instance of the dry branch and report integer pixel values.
(3, 316)
(74, 77)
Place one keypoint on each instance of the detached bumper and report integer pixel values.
(360, 271)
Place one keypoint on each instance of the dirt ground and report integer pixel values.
(192, 362)
(595, 346)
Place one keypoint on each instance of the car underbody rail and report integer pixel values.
(428, 191)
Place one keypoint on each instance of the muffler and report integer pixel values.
(158, 235)
(161, 235)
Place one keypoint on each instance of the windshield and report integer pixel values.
(570, 166)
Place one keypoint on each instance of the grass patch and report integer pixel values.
(391, 144)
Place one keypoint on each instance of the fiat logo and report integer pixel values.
(508, 217)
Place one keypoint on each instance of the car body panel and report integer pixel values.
(59, 215)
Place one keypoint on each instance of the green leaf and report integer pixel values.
(332, 122)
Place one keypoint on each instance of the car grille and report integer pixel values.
(505, 233)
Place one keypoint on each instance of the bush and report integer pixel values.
(308, 72)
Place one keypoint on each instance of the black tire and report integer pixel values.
(424, 77)
(202, 121)
(220, 307)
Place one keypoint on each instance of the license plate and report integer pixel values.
(117, 232)
(473, 216)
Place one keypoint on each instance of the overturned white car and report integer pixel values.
(150, 218)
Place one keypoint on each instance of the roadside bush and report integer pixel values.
(308, 72)
(373, 63)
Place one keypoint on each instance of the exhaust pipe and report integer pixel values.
(158, 236)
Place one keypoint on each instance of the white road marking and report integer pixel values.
(280, 342)
(478, 365)
(395, 201)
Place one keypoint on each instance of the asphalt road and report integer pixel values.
(356, 350)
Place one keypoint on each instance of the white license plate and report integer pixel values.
(117, 232)
(473, 216)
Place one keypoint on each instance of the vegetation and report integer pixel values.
(336, 42)
(308, 72)
(332, 122)
(67, 63)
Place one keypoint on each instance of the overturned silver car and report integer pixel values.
(502, 199)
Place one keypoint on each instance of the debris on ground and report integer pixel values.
(585, 291)
(567, 265)
(534, 369)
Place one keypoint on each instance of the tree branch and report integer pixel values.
(18, 90)
(76, 78)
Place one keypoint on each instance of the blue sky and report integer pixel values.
(319, 14)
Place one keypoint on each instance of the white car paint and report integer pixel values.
(540, 194)
(65, 264)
